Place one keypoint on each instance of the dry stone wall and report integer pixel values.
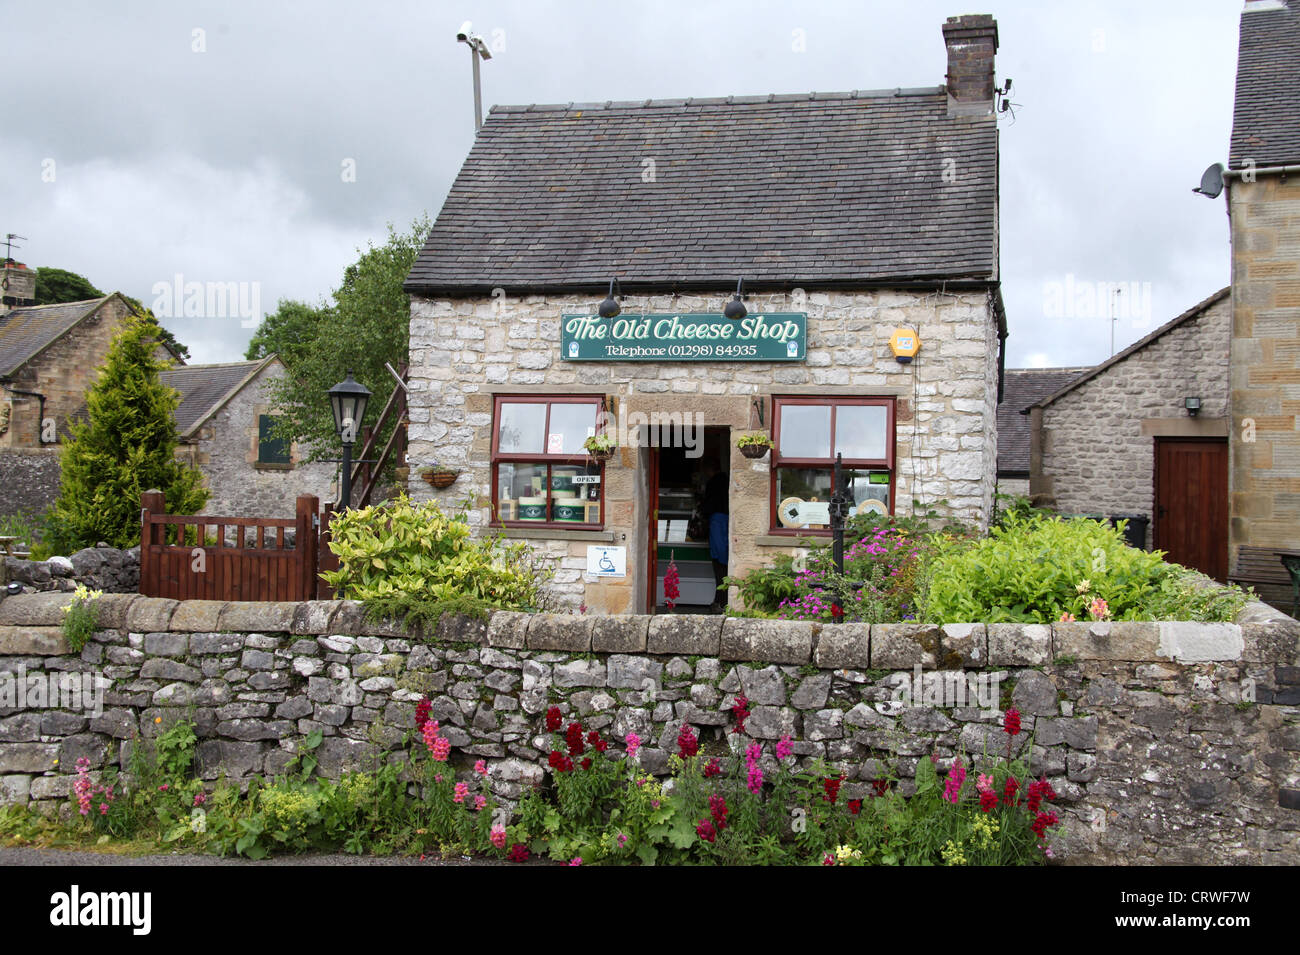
(1166, 742)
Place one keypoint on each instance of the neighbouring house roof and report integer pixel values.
(206, 388)
(822, 189)
(1266, 113)
(1022, 387)
(1193, 312)
(26, 332)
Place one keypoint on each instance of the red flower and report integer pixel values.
(855, 806)
(573, 736)
(518, 853)
(687, 744)
(422, 712)
(988, 800)
(1042, 821)
(712, 768)
(559, 762)
(832, 789)
(601, 745)
(718, 810)
(586, 763)
(1011, 721)
(704, 829)
(553, 719)
(1037, 792)
(879, 786)
(740, 709)
(1009, 792)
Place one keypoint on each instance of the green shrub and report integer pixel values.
(1038, 570)
(81, 617)
(413, 561)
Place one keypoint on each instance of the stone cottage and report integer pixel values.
(50, 355)
(225, 422)
(575, 283)
(1146, 433)
(1263, 199)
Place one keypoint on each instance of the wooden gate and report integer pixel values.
(1191, 491)
(201, 557)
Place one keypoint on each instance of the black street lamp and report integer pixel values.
(348, 402)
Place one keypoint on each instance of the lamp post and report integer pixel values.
(348, 402)
(839, 510)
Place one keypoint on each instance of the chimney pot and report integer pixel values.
(972, 41)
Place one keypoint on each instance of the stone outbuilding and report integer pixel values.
(575, 280)
(1021, 387)
(1146, 433)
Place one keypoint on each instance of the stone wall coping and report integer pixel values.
(30, 622)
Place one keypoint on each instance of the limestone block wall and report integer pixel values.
(226, 453)
(1167, 743)
(29, 479)
(1264, 449)
(1099, 439)
(465, 351)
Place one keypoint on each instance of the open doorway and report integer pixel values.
(689, 522)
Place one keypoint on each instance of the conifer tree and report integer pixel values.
(126, 446)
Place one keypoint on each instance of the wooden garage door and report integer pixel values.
(1192, 503)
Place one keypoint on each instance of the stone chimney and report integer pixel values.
(17, 287)
(972, 40)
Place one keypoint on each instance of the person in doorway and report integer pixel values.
(714, 508)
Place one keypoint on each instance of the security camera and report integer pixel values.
(466, 29)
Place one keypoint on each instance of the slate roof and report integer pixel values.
(204, 388)
(824, 189)
(1266, 114)
(26, 331)
(1021, 388)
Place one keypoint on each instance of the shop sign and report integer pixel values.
(688, 336)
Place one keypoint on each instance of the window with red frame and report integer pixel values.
(541, 475)
(808, 434)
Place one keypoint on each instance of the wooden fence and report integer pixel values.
(201, 557)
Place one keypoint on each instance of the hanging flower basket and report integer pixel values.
(600, 447)
(754, 445)
(440, 477)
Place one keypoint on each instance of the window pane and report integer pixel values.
(571, 424)
(270, 450)
(523, 428)
(521, 492)
(860, 431)
(802, 495)
(805, 431)
(573, 499)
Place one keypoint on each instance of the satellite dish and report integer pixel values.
(1211, 181)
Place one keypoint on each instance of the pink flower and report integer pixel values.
(784, 748)
(103, 809)
(576, 860)
(498, 836)
(956, 776)
(200, 798)
(440, 749)
(164, 787)
(754, 776)
(1098, 609)
(622, 839)
(1067, 618)
(481, 768)
(479, 803)
(633, 744)
(984, 783)
(462, 790)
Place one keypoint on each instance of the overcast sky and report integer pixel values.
(213, 140)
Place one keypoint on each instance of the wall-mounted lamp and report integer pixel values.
(610, 307)
(735, 309)
(1193, 406)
